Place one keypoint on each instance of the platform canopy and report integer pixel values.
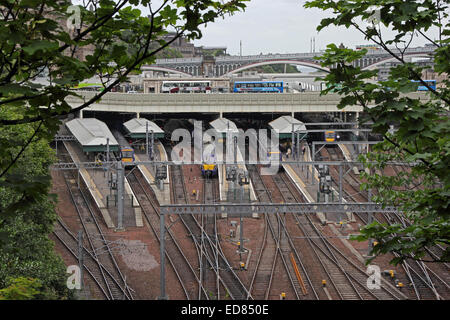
(222, 125)
(283, 125)
(92, 134)
(136, 128)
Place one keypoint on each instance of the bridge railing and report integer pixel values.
(240, 102)
(305, 55)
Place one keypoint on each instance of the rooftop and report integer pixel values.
(284, 124)
(91, 132)
(223, 124)
(137, 128)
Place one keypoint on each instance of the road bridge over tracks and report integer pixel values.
(217, 103)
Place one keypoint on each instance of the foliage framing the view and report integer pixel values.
(110, 40)
(422, 127)
(47, 48)
(25, 249)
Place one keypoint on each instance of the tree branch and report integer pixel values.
(23, 149)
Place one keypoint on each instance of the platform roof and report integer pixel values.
(92, 133)
(136, 128)
(221, 125)
(284, 126)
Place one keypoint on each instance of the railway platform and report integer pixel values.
(306, 179)
(225, 186)
(149, 173)
(96, 181)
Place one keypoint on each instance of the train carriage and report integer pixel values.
(209, 165)
(126, 152)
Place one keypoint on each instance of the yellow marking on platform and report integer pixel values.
(145, 171)
(86, 177)
(94, 187)
(345, 151)
(296, 177)
(162, 153)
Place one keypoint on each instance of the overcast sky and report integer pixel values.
(277, 26)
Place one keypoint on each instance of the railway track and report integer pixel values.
(265, 266)
(183, 269)
(424, 280)
(348, 279)
(96, 238)
(179, 196)
(215, 270)
(209, 242)
(280, 244)
(234, 287)
(96, 270)
(349, 179)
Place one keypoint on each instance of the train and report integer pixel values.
(127, 155)
(126, 152)
(272, 155)
(330, 136)
(209, 165)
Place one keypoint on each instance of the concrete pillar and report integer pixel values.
(120, 195)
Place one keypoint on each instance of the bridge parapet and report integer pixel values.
(302, 55)
(219, 103)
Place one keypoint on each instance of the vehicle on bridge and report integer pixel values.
(197, 86)
(258, 86)
(88, 87)
(421, 87)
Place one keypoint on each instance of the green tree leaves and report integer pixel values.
(422, 126)
(44, 53)
(21, 289)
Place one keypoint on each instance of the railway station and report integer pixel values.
(93, 141)
(147, 137)
(224, 226)
(255, 244)
(149, 156)
(234, 183)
